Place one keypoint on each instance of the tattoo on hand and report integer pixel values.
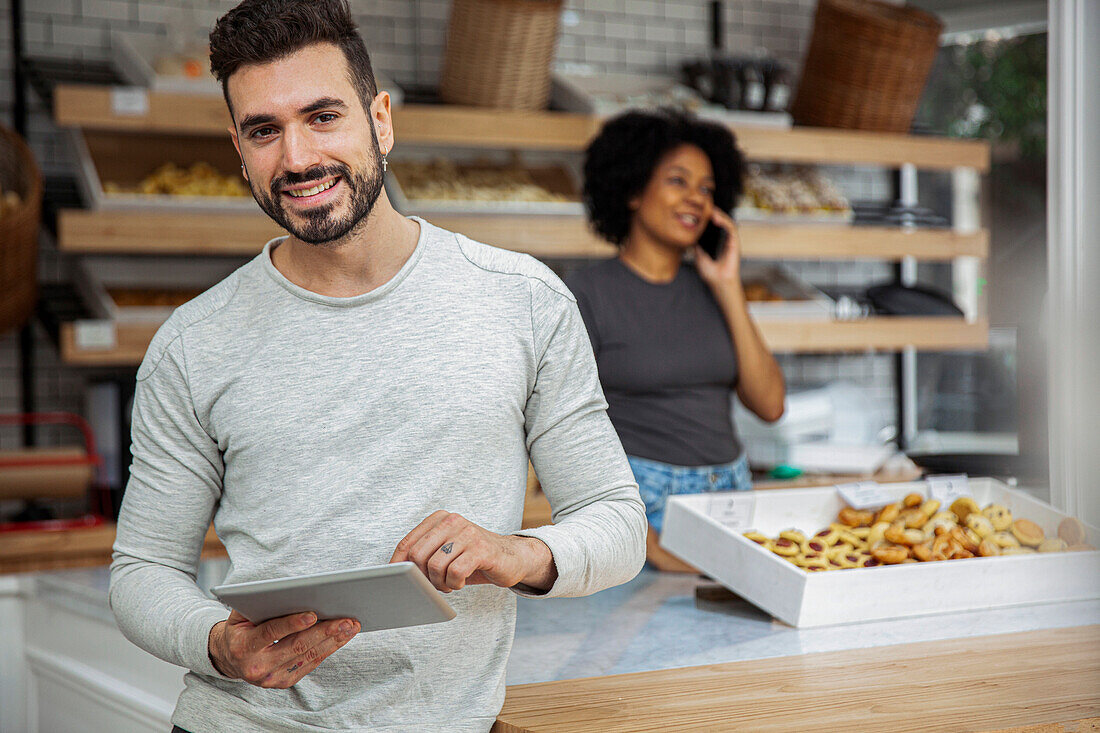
(294, 669)
(447, 548)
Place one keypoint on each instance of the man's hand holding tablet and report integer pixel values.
(277, 653)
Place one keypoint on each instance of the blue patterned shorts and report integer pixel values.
(657, 481)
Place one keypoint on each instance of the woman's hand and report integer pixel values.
(723, 273)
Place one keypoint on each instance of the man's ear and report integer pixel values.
(237, 144)
(382, 119)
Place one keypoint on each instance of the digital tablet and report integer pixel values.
(379, 597)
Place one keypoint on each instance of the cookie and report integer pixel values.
(891, 555)
(1053, 544)
(900, 536)
(923, 551)
(963, 506)
(877, 532)
(1018, 551)
(942, 519)
(981, 524)
(855, 517)
(930, 507)
(1081, 547)
(785, 547)
(1004, 539)
(999, 516)
(988, 548)
(757, 538)
(967, 538)
(861, 532)
(913, 517)
(1027, 532)
(1072, 531)
(793, 535)
(814, 546)
(912, 500)
(888, 513)
(828, 536)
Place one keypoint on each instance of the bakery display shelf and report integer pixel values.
(885, 333)
(106, 108)
(244, 233)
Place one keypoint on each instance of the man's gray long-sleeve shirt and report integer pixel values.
(318, 431)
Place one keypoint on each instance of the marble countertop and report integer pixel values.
(656, 621)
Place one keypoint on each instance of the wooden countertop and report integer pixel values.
(973, 684)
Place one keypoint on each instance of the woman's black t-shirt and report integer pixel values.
(666, 362)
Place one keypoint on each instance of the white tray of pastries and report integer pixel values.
(804, 566)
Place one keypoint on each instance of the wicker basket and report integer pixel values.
(18, 231)
(866, 65)
(499, 53)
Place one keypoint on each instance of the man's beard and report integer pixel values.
(321, 224)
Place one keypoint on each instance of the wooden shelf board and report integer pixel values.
(90, 106)
(143, 232)
(137, 232)
(881, 333)
(84, 547)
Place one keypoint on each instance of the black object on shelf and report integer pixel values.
(45, 73)
(973, 464)
(877, 213)
(911, 300)
(59, 303)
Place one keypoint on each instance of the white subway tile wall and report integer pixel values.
(406, 39)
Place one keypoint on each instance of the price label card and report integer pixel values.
(129, 101)
(95, 335)
(948, 488)
(864, 494)
(733, 509)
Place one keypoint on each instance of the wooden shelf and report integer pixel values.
(885, 333)
(74, 548)
(881, 333)
(134, 232)
(91, 107)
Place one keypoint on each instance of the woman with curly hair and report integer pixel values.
(672, 340)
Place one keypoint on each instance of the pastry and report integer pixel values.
(988, 548)
(930, 507)
(901, 536)
(966, 538)
(888, 513)
(1004, 539)
(943, 519)
(815, 546)
(1027, 532)
(855, 517)
(1072, 531)
(757, 538)
(828, 536)
(913, 518)
(923, 551)
(1018, 551)
(785, 547)
(891, 555)
(861, 532)
(1053, 544)
(999, 516)
(912, 500)
(1081, 547)
(981, 524)
(847, 537)
(793, 535)
(876, 532)
(963, 506)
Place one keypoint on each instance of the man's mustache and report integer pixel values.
(291, 178)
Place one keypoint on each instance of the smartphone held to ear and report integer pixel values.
(713, 240)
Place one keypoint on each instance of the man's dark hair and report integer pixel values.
(621, 159)
(262, 31)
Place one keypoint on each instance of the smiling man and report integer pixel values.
(369, 389)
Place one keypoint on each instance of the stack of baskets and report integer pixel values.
(499, 53)
(866, 66)
(20, 205)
